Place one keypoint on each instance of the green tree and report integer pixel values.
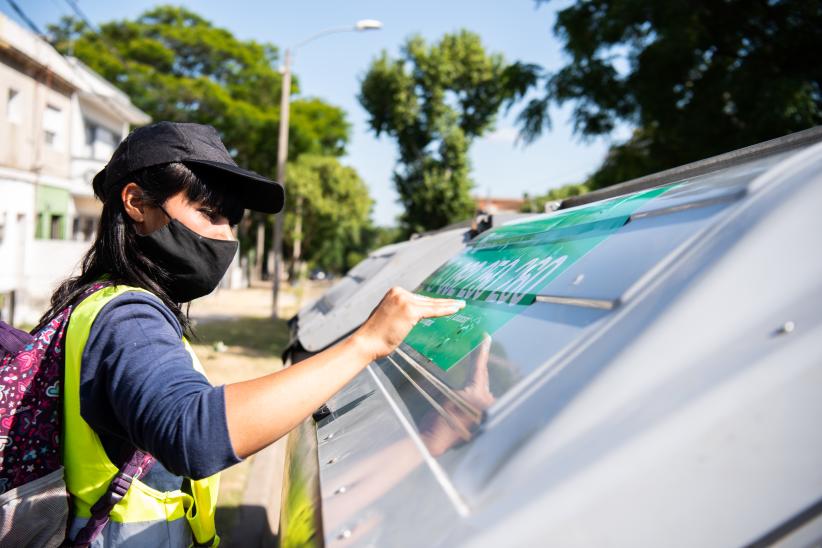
(328, 212)
(434, 100)
(176, 65)
(695, 79)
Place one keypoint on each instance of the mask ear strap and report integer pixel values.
(170, 218)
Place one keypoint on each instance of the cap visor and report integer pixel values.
(257, 193)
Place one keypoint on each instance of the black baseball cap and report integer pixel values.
(195, 144)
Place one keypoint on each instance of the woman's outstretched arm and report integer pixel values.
(262, 410)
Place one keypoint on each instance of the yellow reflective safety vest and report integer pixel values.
(145, 516)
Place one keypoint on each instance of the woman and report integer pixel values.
(171, 194)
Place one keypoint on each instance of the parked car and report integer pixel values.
(641, 367)
(317, 274)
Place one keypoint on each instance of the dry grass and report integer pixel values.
(253, 344)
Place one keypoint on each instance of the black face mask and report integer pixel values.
(195, 264)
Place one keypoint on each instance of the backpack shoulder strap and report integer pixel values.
(136, 467)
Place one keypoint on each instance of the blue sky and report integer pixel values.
(331, 68)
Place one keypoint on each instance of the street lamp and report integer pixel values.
(282, 145)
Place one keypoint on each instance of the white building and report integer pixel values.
(59, 123)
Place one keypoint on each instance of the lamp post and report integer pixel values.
(282, 144)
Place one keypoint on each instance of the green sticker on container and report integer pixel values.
(503, 270)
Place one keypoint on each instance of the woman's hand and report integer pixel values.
(293, 393)
(394, 317)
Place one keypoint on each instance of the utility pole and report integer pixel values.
(282, 144)
(296, 270)
(282, 158)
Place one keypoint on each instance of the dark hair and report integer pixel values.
(115, 253)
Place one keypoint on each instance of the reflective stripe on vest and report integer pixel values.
(88, 468)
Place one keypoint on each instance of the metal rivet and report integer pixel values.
(578, 279)
(329, 436)
(333, 460)
(341, 490)
(786, 328)
(344, 534)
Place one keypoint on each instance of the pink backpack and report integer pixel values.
(33, 499)
(34, 505)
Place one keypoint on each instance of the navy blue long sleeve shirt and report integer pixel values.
(138, 388)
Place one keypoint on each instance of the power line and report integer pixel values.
(76, 9)
(112, 49)
(22, 15)
(106, 99)
(77, 70)
(80, 72)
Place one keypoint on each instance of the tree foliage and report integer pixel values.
(336, 212)
(694, 79)
(176, 65)
(433, 100)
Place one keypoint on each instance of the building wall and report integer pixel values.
(47, 264)
(38, 183)
(48, 104)
(31, 267)
(24, 122)
(16, 228)
(95, 136)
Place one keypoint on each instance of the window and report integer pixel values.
(53, 127)
(91, 133)
(83, 228)
(89, 228)
(14, 107)
(56, 227)
(106, 143)
(100, 140)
